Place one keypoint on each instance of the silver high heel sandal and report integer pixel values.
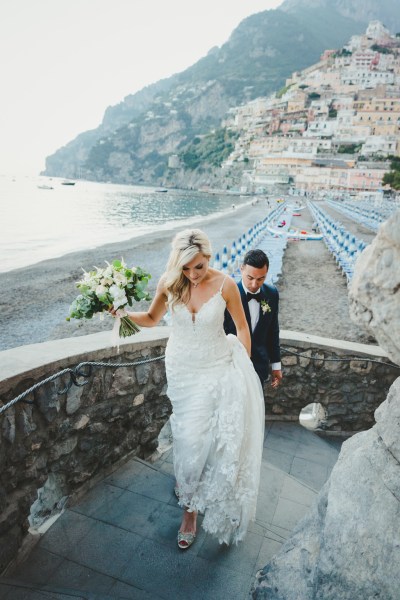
(185, 540)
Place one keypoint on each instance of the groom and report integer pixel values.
(260, 303)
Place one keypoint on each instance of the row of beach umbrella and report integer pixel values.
(362, 212)
(229, 260)
(344, 246)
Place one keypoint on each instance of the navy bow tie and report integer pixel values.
(250, 296)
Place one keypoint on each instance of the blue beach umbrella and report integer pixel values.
(233, 253)
(217, 261)
(239, 248)
(225, 259)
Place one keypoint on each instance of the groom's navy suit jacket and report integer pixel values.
(265, 337)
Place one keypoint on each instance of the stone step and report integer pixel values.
(12, 589)
(283, 499)
(119, 541)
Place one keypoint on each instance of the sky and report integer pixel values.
(63, 62)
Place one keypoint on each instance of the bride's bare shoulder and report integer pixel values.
(215, 275)
(230, 289)
(161, 288)
(219, 279)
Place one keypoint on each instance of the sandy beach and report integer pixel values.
(313, 291)
(35, 299)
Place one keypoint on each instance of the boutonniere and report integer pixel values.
(265, 307)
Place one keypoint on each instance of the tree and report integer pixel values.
(392, 178)
(212, 149)
(349, 148)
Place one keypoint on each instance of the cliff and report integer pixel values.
(137, 136)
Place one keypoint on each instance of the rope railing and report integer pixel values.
(75, 374)
(85, 370)
(357, 358)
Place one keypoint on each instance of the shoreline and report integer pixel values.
(158, 230)
(143, 231)
(36, 298)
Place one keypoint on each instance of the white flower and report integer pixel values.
(120, 301)
(265, 307)
(87, 278)
(118, 295)
(106, 281)
(120, 278)
(100, 290)
(115, 291)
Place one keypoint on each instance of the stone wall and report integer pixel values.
(349, 390)
(58, 446)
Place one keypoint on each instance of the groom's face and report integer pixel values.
(253, 278)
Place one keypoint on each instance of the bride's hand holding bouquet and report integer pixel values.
(111, 289)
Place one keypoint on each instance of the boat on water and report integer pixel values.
(293, 233)
(68, 183)
(45, 187)
(161, 190)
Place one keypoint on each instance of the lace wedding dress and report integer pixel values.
(217, 421)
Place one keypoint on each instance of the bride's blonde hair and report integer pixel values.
(185, 246)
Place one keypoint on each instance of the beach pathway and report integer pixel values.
(313, 290)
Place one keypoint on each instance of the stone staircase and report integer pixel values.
(119, 541)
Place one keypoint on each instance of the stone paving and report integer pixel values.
(119, 541)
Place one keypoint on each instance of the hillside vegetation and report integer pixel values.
(137, 136)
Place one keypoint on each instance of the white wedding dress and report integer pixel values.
(217, 421)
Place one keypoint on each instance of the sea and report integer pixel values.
(43, 218)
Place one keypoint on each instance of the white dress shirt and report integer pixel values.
(254, 309)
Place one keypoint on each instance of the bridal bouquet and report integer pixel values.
(113, 287)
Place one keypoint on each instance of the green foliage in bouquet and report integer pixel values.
(113, 287)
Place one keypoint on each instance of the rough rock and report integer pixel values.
(374, 295)
(348, 546)
(50, 498)
(73, 400)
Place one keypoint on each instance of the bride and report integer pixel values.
(218, 405)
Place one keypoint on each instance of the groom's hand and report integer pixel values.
(276, 378)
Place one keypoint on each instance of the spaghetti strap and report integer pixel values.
(222, 285)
